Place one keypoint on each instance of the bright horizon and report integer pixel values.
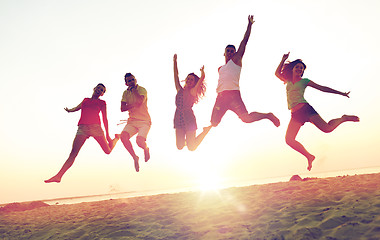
(54, 53)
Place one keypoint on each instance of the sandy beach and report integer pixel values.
(346, 207)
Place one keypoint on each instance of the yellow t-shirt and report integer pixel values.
(137, 112)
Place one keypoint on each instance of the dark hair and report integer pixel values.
(231, 46)
(202, 88)
(128, 75)
(101, 84)
(287, 69)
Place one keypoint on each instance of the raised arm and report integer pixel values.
(176, 78)
(195, 89)
(240, 52)
(74, 109)
(327, 89)
(279, 68)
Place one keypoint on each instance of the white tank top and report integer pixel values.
(229, 76)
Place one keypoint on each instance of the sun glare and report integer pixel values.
(209, 181)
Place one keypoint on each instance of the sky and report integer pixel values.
(53, 53)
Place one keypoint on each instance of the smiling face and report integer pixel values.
(298, 70)
(99, 90)
(229, 52)
(190, 81)
(130, 81)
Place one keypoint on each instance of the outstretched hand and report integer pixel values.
(67, 110)
(250, 19)
(346, 94)
(175, 57)
(203, 69)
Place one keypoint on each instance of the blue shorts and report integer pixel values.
(303, 114)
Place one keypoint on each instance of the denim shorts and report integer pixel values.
(303, 114)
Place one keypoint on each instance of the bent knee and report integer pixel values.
(180, 145)
(141, 142)
(246, 117)
(290, 141)
(124, 136)
(191, 147)
(327, 130)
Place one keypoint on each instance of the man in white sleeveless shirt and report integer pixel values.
(228, 90)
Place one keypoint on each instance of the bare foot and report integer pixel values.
(137, 166)
(207, 129)
(112, 144)
(310, 162)
(274, 119)
(146, 154)
(351, 118)
(53, 179)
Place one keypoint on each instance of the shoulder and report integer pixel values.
(141, 90)
(307, 81)
(85, 100)
(101, 102)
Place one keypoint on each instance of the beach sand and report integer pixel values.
(346, 207)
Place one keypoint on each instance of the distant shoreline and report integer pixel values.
(241, 183)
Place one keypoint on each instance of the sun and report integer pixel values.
(208, 180)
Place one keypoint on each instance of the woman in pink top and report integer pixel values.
(291, 74)
(89, 126)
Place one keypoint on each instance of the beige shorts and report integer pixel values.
(140, 127)
(91, 130)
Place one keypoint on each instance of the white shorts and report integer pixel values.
(136, 126)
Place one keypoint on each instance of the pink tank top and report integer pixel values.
(90, 111)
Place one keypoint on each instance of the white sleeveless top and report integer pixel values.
(229, 76)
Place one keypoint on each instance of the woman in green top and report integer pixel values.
(291, 74)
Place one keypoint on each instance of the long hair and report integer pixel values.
(202, 88)
(287, 69)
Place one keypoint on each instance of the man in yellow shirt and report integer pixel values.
(134, 101)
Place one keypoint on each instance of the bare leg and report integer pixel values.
(290, 139)
(332, 124)
(128, 145)
(180, 138)
(112, 144)
(107, 146)
(256, 116)
(192, 141)
(141, 142)
(78, 142)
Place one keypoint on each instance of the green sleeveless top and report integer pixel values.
(295, 92)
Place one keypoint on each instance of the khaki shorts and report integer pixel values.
(90, 130)
(136, 126)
